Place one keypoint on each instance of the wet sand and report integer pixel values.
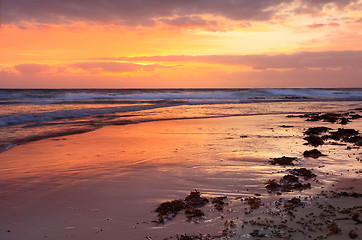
(105, 184)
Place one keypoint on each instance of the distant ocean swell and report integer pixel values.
(29, 115)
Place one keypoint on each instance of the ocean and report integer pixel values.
(33, 114)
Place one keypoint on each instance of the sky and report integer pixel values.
(180, 43)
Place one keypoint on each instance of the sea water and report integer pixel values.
(33, 114)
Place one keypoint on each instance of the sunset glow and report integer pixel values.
(156, 43)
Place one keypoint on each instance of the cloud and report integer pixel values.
(31, 68)
(320, 25)
(114, 67)
(188, 21)
(146, 12)
(327, 59)
(316, 6)
(316, 25)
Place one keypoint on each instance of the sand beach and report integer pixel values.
(107, 184)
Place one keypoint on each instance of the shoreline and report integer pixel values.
(118, 167)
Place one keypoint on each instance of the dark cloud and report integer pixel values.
(145, 12)
(188, 21)
(327, 59)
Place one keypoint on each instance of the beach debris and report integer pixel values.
(346, 194)
(168, 210)
(254, 202)
(355, 217)
(283, 161)
(314, 140)
(193, 214)
(316, 130)
(286, 184)
(339, 118)
(272, 185)
(219, 203)
(286, 126)
(186, 237)
(333, 229)
(195, 199)
(313, 153)
(342, 133)
(352, 234)
(357, 140)
(292, 203)
(303, 172)
(256, 233)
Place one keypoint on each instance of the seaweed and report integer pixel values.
(314, 140)
(195, 199)
(303, 172)
(219, 203)
(168, 210)
(316, 130)
(283, 161)
(313, 153)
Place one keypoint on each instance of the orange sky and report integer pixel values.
(159, 43)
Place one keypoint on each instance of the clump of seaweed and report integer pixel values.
(333, 229)
(194, 213)
(342, 133)
(303, 172)
(168, 210)
(339, 118)
(195, 199)
(283, 161)
(314, 140)
(292, 203)
(254, 202)
(286, 184)
(313, 153)
(219, 203)
(316, 130)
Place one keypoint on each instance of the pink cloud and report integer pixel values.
(114, 67)
(316, 25)
(32, 68)
(327, 59)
